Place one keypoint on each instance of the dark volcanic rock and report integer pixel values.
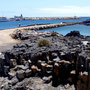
(87, 22)
(74, 33)
(20, 74)
(64, 62)
(1, 64)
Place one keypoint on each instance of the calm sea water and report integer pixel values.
(85, 30)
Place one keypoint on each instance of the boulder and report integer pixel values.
(1, 64)
(34, 70)
(56, 69)
(39, 63)
(87, 22)
(6, 70)
(43, 68)
(49, 67)
(56, 59)
(54, 55)
(14, 81)
(74, 33)
(13, 63)
(20, 67)
(20, 74)
(28, 73)
(47, 79)
(11, 74)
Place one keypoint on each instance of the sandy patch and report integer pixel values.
(5, 39)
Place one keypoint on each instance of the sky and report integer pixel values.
(44, 8)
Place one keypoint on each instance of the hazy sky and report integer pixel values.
(33, 8)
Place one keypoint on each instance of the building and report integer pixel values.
(18, 17)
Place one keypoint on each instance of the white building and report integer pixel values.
(18, 17)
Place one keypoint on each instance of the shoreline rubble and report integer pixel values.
(64, 62)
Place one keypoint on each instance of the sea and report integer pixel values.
(84, 30)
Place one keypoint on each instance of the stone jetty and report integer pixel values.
(48, 25)
(41, 26)
(46, 61)
(51, 25)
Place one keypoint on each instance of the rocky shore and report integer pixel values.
(87, 22)
(6, 40)
(46, 61)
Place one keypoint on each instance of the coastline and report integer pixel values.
(5, 33)
(7, 40)
(31, 58)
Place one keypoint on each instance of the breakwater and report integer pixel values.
(50, 25)
(46, 26)
(43, 26)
